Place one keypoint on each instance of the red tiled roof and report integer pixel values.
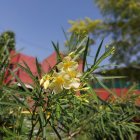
(120, 92)
(49, 62)
(19, 58)
(47, 65)
(31, 62)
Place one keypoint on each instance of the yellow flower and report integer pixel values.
(72, 82)
(67, 64)
(75, 83)
(45, 81)
(41, 81)
(62, 81)
(25, 112)
(74, 78)
(46, 84)
(48, 115)
(68, 76)
(73, 74)
(57, 83)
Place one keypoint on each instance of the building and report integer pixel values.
(19, 58)
(46, 65)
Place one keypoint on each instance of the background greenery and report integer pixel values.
(120, 21)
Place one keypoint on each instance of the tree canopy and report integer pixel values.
(121, 22)
(7, 38)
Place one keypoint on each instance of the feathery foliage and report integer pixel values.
(73, 111)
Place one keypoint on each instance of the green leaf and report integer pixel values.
(15, 90)
(80, 48)
(58, 111)
(98, 51)
(8, 103)
(85, 54)
(106, 88)
(96, 65)
(26, 68)
(56, 48)
(24, 104)
(43, 122)
(66, 37)
(38, 67)
(95, 97)
(111, 77)
(19, 81)
(55, 130)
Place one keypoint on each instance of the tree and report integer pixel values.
(7, 39)
(121, 22)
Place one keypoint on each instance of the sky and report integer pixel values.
(38, 22)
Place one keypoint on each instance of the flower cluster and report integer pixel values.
(67, 77)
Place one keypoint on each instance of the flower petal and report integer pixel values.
(67, 85)
(67, 58)
(46, 84)
(57, 89)
(75, 84)
(41, 81)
